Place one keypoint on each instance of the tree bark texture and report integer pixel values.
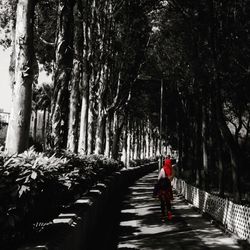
(91, 115)
(220, 164)
(44, 129)
(12, 58)
(134, 141)
(101, 116)
(147, 139)
(63, 68)
(117, 134)
(35, 124)
(72, 142)
(90, 129)
(83, 130)
(125, 143)
(107, 136)
(100, 134)
(198, 145)
(19, 123)
(128, 138)
(205, 147)
(83, 134)
(232, 145)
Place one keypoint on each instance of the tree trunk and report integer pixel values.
(19, 123)
(90, 129)
(147, 139)
(63, 67)
(126, 134)
(129, 144)
(220, 164)
(217, 142)
(35, 125)
(124, 143)
(151, 149)
(180, 139)
(143, 156)
(47, 130)
(232, 145)
(154, 145)
(83, 133)
(101, 118)
(115, 136)
(198, 146)
(100, 134)
(107, 136)
(132, 136)
(235, 155)
(72, 142)
(140, 156)
(136, 140)
(118, 125)
(43, 129)
(12, 57)
(83, 137)
(205, 147)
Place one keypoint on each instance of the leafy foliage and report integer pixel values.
(201, 48)
(45, 32)
(7, 19)
(34, 186)
(140, 162)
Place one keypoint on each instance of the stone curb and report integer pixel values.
(73, 228)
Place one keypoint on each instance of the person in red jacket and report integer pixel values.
(165, 192)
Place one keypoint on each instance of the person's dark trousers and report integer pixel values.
(165, 203)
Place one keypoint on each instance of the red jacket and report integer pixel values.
(168, 167)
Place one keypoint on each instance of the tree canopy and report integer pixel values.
(108, 59)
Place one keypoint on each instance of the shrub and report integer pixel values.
(139, 162)
(34, 186)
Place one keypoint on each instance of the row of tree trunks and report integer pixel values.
(234, 151)
(92, 124)
(135, 145)
(212, 138)
(92, 83)
(98, 72)
(223, 131)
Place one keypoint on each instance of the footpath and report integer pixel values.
(141, 227)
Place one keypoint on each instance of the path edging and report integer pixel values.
(72, 229)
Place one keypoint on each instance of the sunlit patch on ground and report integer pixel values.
(141, 226)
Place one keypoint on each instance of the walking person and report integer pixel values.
(165, 192)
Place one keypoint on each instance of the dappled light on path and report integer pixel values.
(141, 226)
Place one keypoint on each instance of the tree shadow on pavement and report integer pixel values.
(141, 227)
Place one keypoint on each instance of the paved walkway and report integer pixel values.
(141, 228)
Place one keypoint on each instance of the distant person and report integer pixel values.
(164, 191)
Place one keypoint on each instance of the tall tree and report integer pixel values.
(84, 87)
(62, 73)
(19, 123)
(74, 107)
